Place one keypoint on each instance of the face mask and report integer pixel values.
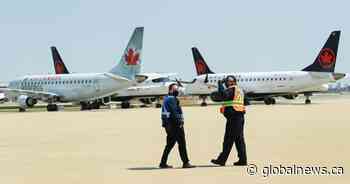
(176, 93)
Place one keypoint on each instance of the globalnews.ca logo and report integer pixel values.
(290, 170)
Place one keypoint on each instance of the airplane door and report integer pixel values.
(97, 85)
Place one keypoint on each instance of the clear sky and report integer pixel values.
(233, 36)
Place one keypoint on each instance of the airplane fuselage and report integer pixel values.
(287, 82)
(73, 87)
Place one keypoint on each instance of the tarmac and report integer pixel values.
(125, 145)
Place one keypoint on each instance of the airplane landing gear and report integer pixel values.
(95, 105)
(307, 96)
(52, 107)
(269, 101)
(204, 103)
(158, 105)
(85, 106)
(125, 104)
(88, 106)
(273, 101)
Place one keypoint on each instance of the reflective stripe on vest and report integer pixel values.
(237, 102)
(165, 113)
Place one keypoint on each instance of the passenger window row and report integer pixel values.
(255, 79)
(35, 83)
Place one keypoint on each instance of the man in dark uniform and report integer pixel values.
(233, 109)
(173, 122)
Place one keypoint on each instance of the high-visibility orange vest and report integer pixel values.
(237, 102)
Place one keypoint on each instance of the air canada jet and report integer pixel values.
(265, 86)
(82, 88)
(150, 86)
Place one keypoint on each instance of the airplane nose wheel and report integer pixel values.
(307, 101)
(158, 105)
(204, 103)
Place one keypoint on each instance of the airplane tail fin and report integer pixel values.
(327, 57)
(130, 62)
(60, 67)
(200, 64)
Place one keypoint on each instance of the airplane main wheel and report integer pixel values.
(307, 101)
(125, 105)
(267, 101)
(52, 107)
(95, 105)
(273, 101)
(85, 106)
(203, 104)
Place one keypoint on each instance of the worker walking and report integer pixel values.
(173, 122)
(232, 99)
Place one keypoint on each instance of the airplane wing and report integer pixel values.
(169, 74)
(40, 95)
(151, 76)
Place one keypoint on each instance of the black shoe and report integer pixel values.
(187, 166)
(217, 162)
(165, 166)
(240, 163)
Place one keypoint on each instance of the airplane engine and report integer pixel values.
(25, 101)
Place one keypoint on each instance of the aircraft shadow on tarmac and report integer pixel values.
(157, 168)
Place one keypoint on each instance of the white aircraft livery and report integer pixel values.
(264, 86)
(150, 86)
(80, 87)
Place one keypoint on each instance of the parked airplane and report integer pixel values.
(265, 86)
(150, 88)
(83, 87)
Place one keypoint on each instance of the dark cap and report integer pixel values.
(171, 86)
(231, 77)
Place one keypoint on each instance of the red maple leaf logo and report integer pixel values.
(132, 57)
(326, 58)
(200, 67)
(59, 68)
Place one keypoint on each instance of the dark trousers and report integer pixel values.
(175, 134)
(234, 134)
